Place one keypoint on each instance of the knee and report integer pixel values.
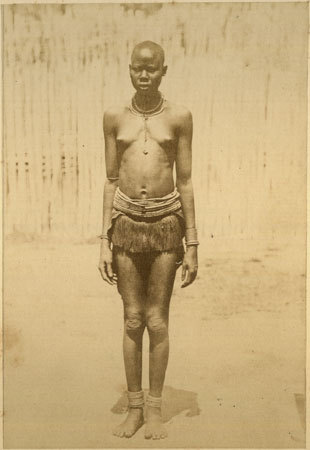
(134, 321)
(156, 324)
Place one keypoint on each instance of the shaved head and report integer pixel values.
(156, 49)
(147, 68)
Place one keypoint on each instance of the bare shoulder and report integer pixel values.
(113, 112)
(180, 113)
(112, 116)
(182, 118)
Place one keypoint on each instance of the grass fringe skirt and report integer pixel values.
(148, 234)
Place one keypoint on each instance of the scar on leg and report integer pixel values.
(134, 321)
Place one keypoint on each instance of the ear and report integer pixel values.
(165, 70)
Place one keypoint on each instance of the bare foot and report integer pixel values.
(154, 428)
(131, 424)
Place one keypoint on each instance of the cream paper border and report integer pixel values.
(1, 239)
(17, 2)
(7, 2)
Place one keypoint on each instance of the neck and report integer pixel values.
(147, 101)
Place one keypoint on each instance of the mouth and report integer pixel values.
(143, 85)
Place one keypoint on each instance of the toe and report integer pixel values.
(128, 434)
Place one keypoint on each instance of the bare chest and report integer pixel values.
(138, 129)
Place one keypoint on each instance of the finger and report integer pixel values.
(107, 279)
(185, 279)
(183, 272)
(194, 275)
(109, 270)
(189, 279)
(107, 274)
(101, 270)
(104, 275)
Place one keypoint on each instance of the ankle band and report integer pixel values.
(135, 399)
(154, 402)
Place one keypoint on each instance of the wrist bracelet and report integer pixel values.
(104, 236)
(193, 242)
(191, 236)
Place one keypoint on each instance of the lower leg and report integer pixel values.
(159, 352)
(132, 346)
(132, 351)
(157, 314)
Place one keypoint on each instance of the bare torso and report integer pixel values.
(140, 158)
(146, 152)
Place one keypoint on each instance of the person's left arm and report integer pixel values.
(185, 188)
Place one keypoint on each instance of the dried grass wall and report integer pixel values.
(240, 68)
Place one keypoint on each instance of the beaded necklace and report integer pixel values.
(133, 107)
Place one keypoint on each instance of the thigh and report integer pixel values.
(161, 280)
(130, 278)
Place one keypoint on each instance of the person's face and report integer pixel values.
(146, 71)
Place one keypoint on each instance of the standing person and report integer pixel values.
(145, 217)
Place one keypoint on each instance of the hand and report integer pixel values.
(189, 266)
(105, 264)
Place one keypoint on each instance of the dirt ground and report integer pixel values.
(236, 372)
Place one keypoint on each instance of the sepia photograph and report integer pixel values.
(154, 225)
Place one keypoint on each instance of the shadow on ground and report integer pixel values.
(175, 401)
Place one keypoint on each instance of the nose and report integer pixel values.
(144, 74)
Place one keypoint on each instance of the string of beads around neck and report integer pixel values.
(149, 112)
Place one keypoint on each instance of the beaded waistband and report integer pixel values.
(150, 207)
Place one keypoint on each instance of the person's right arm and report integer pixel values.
(110, 185)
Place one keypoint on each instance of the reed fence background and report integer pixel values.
(241, 68)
